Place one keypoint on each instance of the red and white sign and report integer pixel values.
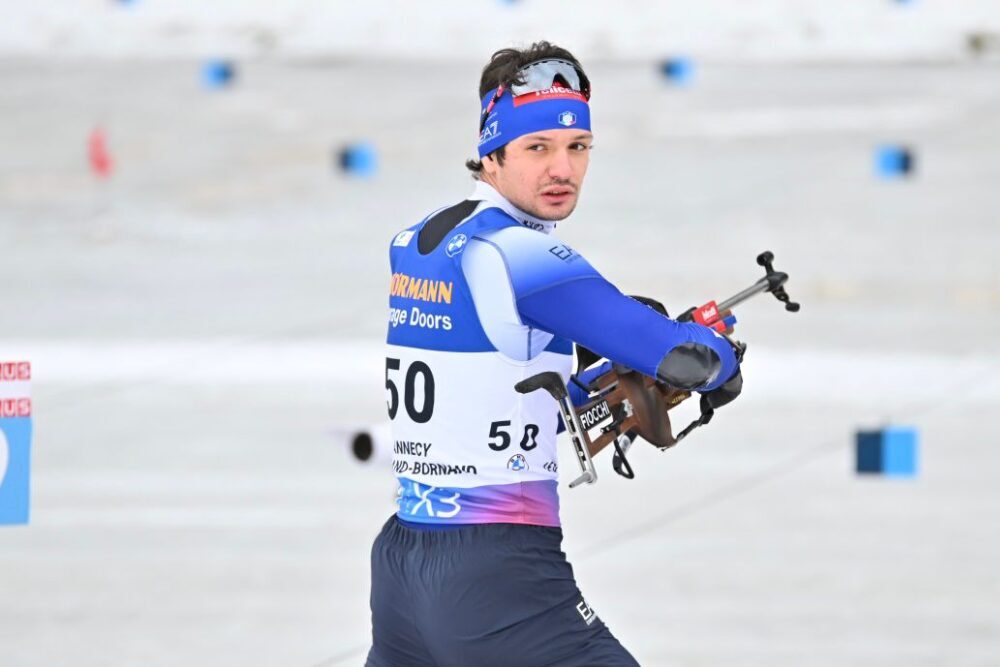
(14, 371)
(15, 407)
(15, 389)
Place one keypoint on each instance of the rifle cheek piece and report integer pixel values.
(689, 366)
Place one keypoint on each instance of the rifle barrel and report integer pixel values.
(761, 285)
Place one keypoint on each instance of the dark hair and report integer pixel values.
(502, 68)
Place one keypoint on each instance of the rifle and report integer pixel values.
(638, 405)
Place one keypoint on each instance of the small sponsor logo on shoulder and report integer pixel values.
(403, 238)
(455, 244)
(565, 253)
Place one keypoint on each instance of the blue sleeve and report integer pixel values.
(577, 394)
(557, 290)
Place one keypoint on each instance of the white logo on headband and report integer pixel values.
(491, 131)
(567, 118)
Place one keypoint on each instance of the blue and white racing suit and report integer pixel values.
(481, 297)
(470, 571)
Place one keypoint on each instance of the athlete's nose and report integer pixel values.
(560, 167)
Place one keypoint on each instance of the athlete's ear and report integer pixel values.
(490, 165)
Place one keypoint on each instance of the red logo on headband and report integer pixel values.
(553, 93)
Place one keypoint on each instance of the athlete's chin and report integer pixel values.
(555, 209)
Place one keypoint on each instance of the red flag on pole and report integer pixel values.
(97, 149)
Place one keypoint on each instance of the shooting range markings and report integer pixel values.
(915, 412)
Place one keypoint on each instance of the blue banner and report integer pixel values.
(15, 467)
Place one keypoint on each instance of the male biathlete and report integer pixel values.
(469, 572)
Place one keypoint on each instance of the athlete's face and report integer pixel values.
(542, 172)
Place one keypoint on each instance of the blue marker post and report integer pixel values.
(217, 74)
(894, 162)
(358, 159)
(891, 452)
(15, 441)
(679, 71)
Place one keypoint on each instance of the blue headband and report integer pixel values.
(513, 117)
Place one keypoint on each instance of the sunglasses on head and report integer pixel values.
(539, 76)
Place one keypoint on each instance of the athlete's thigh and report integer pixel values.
(396, 641)
(601, 649)
(506, 596)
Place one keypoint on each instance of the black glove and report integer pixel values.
(725, 394)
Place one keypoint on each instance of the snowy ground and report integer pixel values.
(202, 325)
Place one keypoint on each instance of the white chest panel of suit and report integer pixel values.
(482, 297)
(467, 447)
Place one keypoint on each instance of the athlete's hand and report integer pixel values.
(724, 394)
(729, 328)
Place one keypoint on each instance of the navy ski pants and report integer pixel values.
(481, 595)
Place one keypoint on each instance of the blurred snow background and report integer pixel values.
(205, 323)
